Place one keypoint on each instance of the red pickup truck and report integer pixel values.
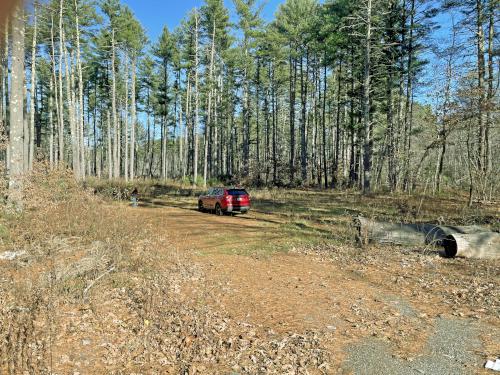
(225, 200)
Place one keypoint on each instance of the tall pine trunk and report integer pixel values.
(33, 90)
(80, 120)
(133, 115)
(491, 90)
(303, 120)
(17, 110)
(481, 157)
(197, 101)
(116, 162)
(61, 93)
(367, 123)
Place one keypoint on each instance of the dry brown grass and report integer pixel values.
(104, 288)
(67, 239)
(101, 290)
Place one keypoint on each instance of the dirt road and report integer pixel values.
(164, 289)
(376, 310)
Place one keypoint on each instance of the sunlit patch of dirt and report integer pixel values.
(166, 289)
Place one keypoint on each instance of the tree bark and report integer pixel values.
(81, 118)
(17, 110)
(116, 170)
(323, 120)
(480, 85)
(491, 91)
(303, 126)
(61, 97)
(292, 78)
(126, 125)
(409, 100)
(110, 153)
(197, 102)
(33, 90)
(337, 130)
(133, 119)
(367, 123)
(208, 123)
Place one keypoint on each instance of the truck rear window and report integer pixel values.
(237, 192)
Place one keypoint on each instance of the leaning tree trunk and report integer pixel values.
(17, 110)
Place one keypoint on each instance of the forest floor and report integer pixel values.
(165, 289)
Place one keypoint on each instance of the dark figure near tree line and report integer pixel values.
(135, 197)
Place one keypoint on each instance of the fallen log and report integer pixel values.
(408, 234)
(484, 245)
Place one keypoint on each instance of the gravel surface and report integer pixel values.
(449, 351)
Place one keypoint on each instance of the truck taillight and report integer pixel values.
(229, 198)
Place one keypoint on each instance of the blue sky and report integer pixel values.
(155, 14)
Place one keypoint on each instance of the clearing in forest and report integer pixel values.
(165, 289)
